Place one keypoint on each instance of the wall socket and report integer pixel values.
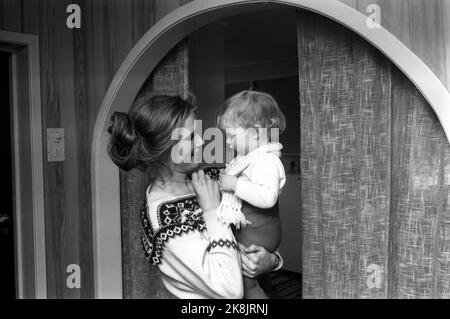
(55, 145)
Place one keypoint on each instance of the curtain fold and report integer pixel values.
(345, 139)
(375, 173)
(420, 237)
(140, 278)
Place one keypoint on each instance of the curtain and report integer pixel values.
(140, 278)
(420, 212)
(375, 173)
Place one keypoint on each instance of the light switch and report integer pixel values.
(55, 145)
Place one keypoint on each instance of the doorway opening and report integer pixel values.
(142, 61)
(7, 233)
(22, 227)
(257, 50)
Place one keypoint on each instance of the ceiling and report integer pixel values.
(260, 36)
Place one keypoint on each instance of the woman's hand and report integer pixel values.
(207, 191)
(256, 260)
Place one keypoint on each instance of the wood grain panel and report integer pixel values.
(117, 34)
(47, 19)
(68, 231)
(98, 51)
(11, 15)
(425, 25)
(143, 17)
(163, 7)
(53, 172)
(84, 116)
(100, 46)
(422, 25)
(31, 10)
(391, 15)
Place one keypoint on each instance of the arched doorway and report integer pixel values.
(149, 51)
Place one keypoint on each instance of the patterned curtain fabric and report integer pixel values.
(375, 173)
(420, 193)
(140, 278)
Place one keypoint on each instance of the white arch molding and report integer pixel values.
(147, 53)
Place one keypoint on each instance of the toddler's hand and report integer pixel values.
(227, 182)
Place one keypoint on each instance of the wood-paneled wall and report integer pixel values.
(422, 25)
(77, 67)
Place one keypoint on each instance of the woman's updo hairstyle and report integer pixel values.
(141, 138)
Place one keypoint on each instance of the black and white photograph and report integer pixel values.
(270, 150)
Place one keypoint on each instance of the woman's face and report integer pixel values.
(186, 154)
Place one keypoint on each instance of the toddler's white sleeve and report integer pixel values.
(267, 178)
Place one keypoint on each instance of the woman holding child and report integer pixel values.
(196, 252)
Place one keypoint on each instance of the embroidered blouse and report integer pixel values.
(196, 254)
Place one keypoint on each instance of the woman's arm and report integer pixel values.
(195, 266)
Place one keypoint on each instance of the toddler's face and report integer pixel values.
(241, 140)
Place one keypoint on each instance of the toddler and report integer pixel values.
(254, 178)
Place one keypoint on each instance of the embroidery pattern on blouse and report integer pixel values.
(222, 243)
(175, 217)
(213, 172)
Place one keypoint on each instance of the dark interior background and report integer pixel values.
(7, 269)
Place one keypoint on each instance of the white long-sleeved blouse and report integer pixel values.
(262, 181)
(196, 254)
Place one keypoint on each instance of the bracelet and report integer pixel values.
(277, 262)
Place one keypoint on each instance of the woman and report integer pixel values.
(197, 255)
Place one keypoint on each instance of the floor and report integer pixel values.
(282, 284)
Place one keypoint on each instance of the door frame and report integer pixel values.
(28, 177)
(147, 53)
